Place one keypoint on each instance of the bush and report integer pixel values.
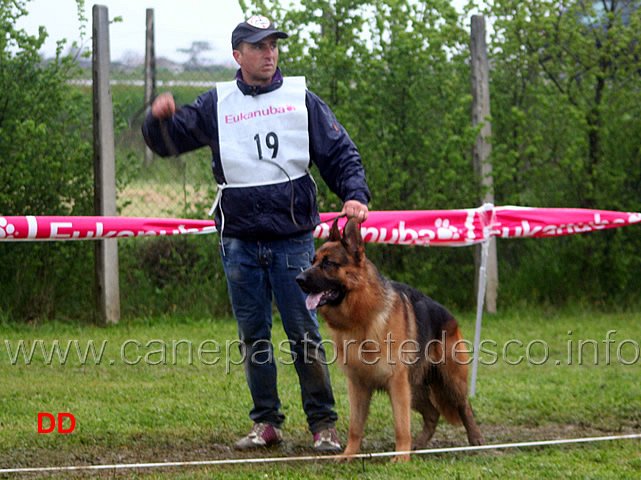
(46, 168)
(173, 274)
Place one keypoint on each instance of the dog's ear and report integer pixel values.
(352, 239)
(334, 232)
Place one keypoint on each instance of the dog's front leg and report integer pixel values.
(400, 394)
(360, 397)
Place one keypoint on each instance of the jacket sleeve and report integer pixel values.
(334, 153)
(191, 127)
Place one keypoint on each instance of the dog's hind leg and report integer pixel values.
(473, 432)
(422, 404)
(454, 377)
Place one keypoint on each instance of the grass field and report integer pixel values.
(170, 389)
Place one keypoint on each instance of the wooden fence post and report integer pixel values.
(150, 74)
(106, 251)
(482, 148)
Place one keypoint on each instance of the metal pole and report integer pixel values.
(479, 315)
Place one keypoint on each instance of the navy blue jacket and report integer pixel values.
(265, 212)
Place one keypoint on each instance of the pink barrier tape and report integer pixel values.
(518, 222)
(417, 227)
(421, 227)
(55, 228)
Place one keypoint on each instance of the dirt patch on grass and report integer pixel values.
(186, 450)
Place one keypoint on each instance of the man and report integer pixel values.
(265, 131)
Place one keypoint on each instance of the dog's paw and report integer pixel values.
(347, 455)
(419, 444)
(404, 458)
(342, 458)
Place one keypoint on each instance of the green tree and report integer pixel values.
(46, 167)
(194, 52)
(567, 122)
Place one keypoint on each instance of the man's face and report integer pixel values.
(258, 61)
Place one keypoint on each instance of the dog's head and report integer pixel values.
(336, 267)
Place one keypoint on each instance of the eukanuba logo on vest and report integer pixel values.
(265, 112)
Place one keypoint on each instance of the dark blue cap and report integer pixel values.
(253, 30)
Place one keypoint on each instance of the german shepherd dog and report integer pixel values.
(388, 336)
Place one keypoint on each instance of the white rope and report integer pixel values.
(317, 457)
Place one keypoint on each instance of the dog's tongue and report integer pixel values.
(313, 299)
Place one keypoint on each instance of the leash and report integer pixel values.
(333, 219)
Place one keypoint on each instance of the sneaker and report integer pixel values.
(261, 435)
(327, 441)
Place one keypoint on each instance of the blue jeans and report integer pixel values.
(256, 272)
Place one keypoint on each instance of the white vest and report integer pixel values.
(263, 139)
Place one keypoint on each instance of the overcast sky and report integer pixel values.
(178, 23)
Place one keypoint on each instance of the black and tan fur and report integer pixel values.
(363, 308)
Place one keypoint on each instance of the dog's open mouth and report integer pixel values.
(315, 300)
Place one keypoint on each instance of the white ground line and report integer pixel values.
(321, 457)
